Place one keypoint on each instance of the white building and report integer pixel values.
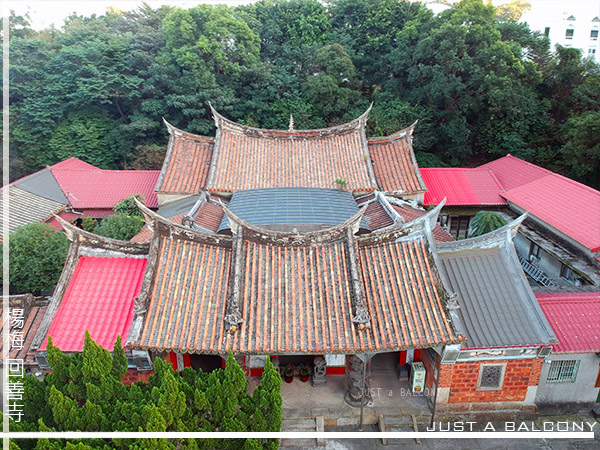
(573, 23)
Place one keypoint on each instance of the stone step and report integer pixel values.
(398, 420)
(298, 425)
(304, 444)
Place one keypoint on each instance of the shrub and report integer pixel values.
(120, 226)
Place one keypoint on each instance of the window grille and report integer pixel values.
(563, 371)
(490, 376)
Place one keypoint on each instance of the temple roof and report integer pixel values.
(326, 291)
(95, 292)
(394, 163)
(383, 212)
(243, 158)
(187, 163)
(496, 305)
(288, 209)
(251, 158)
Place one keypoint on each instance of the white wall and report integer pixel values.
(577, 395)
(553, 14)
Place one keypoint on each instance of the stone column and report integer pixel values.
(356, 393)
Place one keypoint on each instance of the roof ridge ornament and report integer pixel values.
(243, 130)
(91, 240)
(291, 127)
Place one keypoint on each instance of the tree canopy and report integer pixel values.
(481, 84)
(37, 256)
(85, 392)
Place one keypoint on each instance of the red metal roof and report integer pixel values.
(512, 172)
(570, 207)
(73, 164)
(99, 298)
(575, 320)
(461, 187)
(93, 188)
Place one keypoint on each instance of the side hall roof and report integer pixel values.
(187, 163)
(383, 212)
(95, 292)
(264, 292)
(495, 303)
(569, 207)
(394, 163)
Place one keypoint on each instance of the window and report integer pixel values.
(594, 33)
(570, 32)
(591, 51)
(459, 226)
(568, 274)
(563, 371)
(491, 377)
(535, 253)
(547, 31)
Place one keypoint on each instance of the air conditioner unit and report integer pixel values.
(417, 377)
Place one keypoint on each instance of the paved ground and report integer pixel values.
(442, 444)
(302, 401)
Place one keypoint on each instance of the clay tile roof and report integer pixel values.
(33, 313)
(575, 319)
(187, 163)
(99, 298)
(250, 158)
(462, 187)
(409, 214)
(394, 164)
(187, 315)
(378, 217)
(292, 298)
(403, 298)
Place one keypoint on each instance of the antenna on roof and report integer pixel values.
(291, 127)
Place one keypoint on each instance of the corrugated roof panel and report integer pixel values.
(461, 187)
(99, 298)
(575, 319)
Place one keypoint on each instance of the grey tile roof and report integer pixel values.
(178, 207)
(497, 306)
(26, 208)
(44, 184)
(306, 209)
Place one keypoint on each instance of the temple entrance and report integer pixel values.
(207, 363)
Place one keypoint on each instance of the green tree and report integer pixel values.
(128, 206)
(484, 222)
(582, 149)
(37, 257)
(87, 135)
(120, 226)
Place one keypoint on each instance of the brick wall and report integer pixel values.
(133, 376)
(463, 378)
